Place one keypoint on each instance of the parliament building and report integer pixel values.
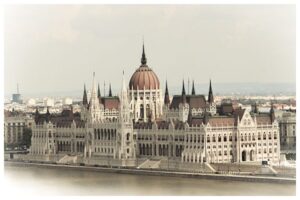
(145, 126)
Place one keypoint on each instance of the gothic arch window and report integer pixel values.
(249, 137)
(127, 136)
(208, 139)
(253, 137)
(214, 138)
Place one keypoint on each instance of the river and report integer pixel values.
(34, 180)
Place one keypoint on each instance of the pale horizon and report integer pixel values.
(53, 48)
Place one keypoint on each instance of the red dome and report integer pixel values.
(144, 76)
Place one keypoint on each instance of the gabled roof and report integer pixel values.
(194, 101)
(110, 102)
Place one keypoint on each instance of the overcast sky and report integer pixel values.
(57, 48)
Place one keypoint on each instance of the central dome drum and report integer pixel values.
(144, 77)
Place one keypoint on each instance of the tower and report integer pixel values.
(210, 101)
(144, 92)
(183, 106)
(94, 105)
(126, 137)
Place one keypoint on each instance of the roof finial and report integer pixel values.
(167, 98)
(110, 93)
(193, 89)
(210, 93)
(84, 100)
(183, 95)
(144, 59)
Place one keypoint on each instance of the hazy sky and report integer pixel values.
(57, 48)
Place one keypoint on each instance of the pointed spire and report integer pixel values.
(84, 100)
(210, 94)
(183, 95)
(99, 93)
(167, 98)
(272, 113)
(193, 89)
(110, 93)
(37, 115)
(144, 59)
(255, 110)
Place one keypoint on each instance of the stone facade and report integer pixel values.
(287, 127)
(14, 125)
(189, 128)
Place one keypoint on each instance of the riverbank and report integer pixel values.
(152, 172)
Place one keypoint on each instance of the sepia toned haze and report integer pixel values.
(57, 47)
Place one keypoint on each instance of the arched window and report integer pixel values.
(225, 138)
(259, 136)
(213, 138)
(249, 137)
(127, 136)
(219, 139)
(208, 139)
(264, 137)
(230, 138)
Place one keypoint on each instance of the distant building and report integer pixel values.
(14, 124)
(17, 96)
(287, 128)
(67, 101)
(48, 102)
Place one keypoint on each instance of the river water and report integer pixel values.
(33, 180)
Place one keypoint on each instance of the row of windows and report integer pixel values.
(104, 150)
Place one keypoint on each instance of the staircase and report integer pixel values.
(150, 164)
(68, 159)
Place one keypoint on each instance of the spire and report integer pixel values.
(110, 93)
(94, 102)
(255, 110)
(183, 95)
(36, 116)
(47, 114)
(167, 98)
(84, 100)
(272, 113)
(193, 89)
(210, 94)
(99, 94)
(144, 59)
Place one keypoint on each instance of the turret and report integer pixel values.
(167, 98)
(183, 95)
(110, 93)
(84, 100)
(272, 113)
(99, 94)
(210, 94)
(193, 89)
